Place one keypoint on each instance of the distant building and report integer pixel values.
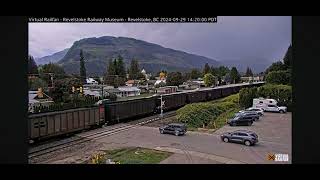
(199, 81)
(125, 91)
(167, 90)
(159, 81)
(190, 85)
(91, 81)
(252, 79)
(132, 82)
(37, 99)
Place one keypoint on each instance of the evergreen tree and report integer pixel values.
(249, 72)
(195, 74)
(134, 70)
(206, 69)
(287, 60)
(83, 73)
(121, 70)
(32, 66)
(234, 74)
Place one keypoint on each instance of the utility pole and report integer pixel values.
(161, 106)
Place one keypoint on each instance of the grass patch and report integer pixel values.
(134, 155)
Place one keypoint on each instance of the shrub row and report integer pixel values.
(281, 93)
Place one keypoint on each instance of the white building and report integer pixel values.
(36, 101)
(159, 81)
(127, 91)
(91, 81)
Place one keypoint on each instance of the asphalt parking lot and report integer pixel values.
(273, 129)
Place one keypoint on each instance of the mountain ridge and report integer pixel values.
(152, 57)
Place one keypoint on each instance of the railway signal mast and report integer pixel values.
(161, 106)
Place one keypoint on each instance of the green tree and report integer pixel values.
(32, 66)
(279, 77)
(276, 66)
(121, 70)
(209, 80)
(110, 74)
(206, 69)
(174, 79)
(246, 96)
(134, 69)
(116, 74)
(195, 74)
(83, 73)
(249, 72)
(214, 71)
(223, 70)
(36, 83)
(234, 74)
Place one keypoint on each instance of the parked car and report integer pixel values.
(241, 119)
(255, 116)
(270, 105)
(241, 136)
(252, 109)
(173, 128)
(275, 108)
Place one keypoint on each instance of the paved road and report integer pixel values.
(274, 131)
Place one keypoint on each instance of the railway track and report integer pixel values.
(96, 135)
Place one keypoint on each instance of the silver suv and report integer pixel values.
(240, 136)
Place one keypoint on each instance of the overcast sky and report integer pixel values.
(232, 37)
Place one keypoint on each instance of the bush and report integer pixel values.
(279, 77)
(246, 95)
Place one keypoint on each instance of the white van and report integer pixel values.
(268, 105)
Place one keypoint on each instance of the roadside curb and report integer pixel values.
(220, 159)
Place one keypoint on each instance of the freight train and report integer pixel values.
(52, 124)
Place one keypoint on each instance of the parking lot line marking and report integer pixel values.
(220, 159)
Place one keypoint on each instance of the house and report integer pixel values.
(159, 81)
(132, 82)
(91, 81)
(125, 91)
(37, 99)
(92, 92)
(252, 79)
(199, 81)
(166, 90)
(129, 91)
(189, 85)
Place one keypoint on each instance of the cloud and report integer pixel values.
(262, 37)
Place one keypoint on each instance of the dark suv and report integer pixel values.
(241, 119)
(255, 116)
(241, 136)
(174, 128)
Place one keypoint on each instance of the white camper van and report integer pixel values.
(268, 105)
